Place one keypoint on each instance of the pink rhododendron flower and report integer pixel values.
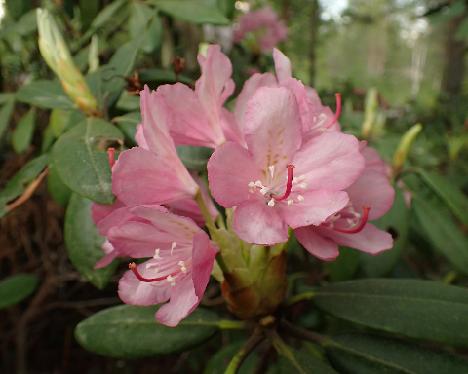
(280, 180)
(197, 117)
(267, 28)
(315, 117)
(181, 258)
(152, 173)
(370, 197)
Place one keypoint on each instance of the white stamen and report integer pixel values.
(258, 183)
(251, 184)
(174, 244)
(290, 201)
(264, 190)
(271, 168)
(300, 198)
(183, 269)
(171, 280)
(302, 185)
(271, 202)
(156, 254)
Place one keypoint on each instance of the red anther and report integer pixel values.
(111, 156)
(337, 111)
(288, 184)
(360, 225)
(133, 267)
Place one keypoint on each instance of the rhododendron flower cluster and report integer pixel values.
(280, 166)
(265, 26)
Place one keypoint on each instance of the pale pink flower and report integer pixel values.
(315, 117)
(370, 197)
(181, 258)
(197, 117)
(152, 173)
(279, 180)
(267, 28)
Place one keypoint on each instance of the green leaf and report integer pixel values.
(345, 266)
(418, 309)
(302, 361)
(220, 360)
(44, 94)
(129, 332)
(16, 288)
(57, 189)
(442, 232)
(5, 113)
(81, 161)
(447, 191)
(16, 185)
(105, 15)
(120, 65)
(352, 353)
(83, 242)
(202, 11)
(396, 221)
(194, 158)
(22, 135)
(128, 123)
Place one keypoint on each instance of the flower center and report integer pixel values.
(168, 262)
(348, 221)
(270, 191)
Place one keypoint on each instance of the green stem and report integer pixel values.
(302, 333)
(229, 324)
(284, 350)
(240, 356)
(205, 212)
(300, 297)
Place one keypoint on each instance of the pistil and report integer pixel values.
(360, 226)
(337, 112)
(289, 184)
(133, 267)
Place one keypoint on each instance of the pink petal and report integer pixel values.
(179, 228)
(230, 169)
(133, 292)
(189, 123)
(256, 222)
(317, 245)
(138, 239)
(373, 159)
(316, 207)
(371, 239)
(273, 127)
(99, 212)
(203, 257)
(155, 124)
(329, 161)
(282, 66)
(372, 189)
(250, 87)
(142, 177)
(183, 302)
(117, 214)
(140, 137)
(110, 255)
(215, 84)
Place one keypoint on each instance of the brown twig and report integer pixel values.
(26, 195)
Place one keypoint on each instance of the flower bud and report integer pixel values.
(56, 54)
(404, 147)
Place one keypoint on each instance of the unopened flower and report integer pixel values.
(279, 180)
(267, 29)
(370, 197)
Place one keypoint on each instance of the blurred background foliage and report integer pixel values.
(397, 63)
